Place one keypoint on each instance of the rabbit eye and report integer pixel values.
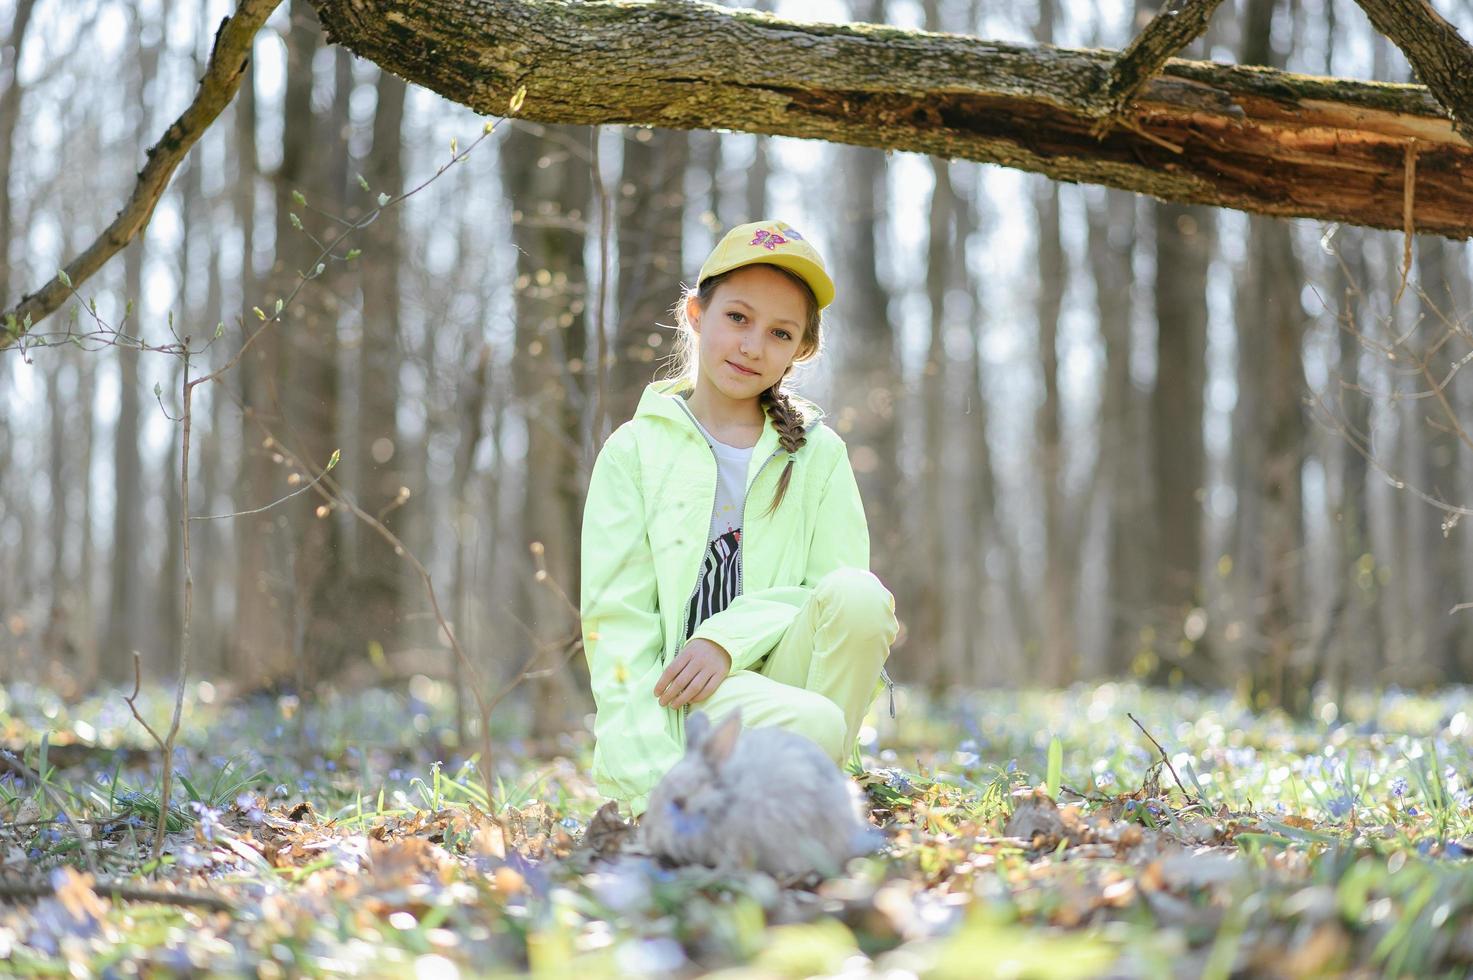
(678, 802)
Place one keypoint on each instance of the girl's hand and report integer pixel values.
(694, 675)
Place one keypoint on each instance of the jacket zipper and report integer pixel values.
(741, 555)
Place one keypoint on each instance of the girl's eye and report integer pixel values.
(783, 335)
(736, 316)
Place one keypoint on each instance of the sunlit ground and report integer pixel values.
(352, 836)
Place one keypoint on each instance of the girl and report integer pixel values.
(725, 552)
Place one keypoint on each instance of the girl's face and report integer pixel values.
(750, 333)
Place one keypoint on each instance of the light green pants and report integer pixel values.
(821, 677)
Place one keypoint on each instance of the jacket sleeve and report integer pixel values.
(754, 622)
(622, 635)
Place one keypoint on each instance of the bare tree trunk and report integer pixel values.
(1350, 644)
(124, 631)
(551, 322)
(1433, 568)
(377, 596)
(261, 650)
(85, 629)
(11, 93)
(1122, 418)
(1184, 240)
(210, 619)
(57, 646)
(649, 212)
(927, 612)
(757, 174)
(323, 593)
(1271, 324)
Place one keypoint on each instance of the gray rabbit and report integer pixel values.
(766, 798)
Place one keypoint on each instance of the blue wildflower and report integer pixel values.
(209, 820)
(246, 803)
(1399, 786)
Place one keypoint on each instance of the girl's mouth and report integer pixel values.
(742, 370)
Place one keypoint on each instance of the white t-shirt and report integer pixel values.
(719, 572)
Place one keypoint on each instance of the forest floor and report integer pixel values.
(1029, 834)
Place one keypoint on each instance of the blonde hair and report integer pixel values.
(684, 362)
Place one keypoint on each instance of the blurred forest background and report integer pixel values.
(1097, 435)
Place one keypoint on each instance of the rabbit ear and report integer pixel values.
(718, 745)
(697, 727)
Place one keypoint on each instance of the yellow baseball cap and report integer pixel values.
(774, 243)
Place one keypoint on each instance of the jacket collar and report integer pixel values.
(662, 400)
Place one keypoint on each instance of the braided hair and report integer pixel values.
(790, 435)
(786, 418)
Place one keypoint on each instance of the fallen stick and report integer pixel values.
(28, 889)
(1166, 760)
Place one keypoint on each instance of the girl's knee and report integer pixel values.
(824, 722)
(861, 599)
(815, 716)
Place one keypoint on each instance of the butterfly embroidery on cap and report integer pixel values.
(768, 239)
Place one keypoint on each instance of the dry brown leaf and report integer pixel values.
(607, 832)
(489, 841)
(1036, 816)
(399, 863)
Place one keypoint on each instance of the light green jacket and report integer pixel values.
(645, 535)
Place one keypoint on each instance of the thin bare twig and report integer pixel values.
(257, 510)
(131, 699)
(187, 412)
(1164, 758)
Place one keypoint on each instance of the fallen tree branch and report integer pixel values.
(1254, 139)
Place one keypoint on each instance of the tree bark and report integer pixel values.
(1177, 24)
(1254, 139)
(1439, 54)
